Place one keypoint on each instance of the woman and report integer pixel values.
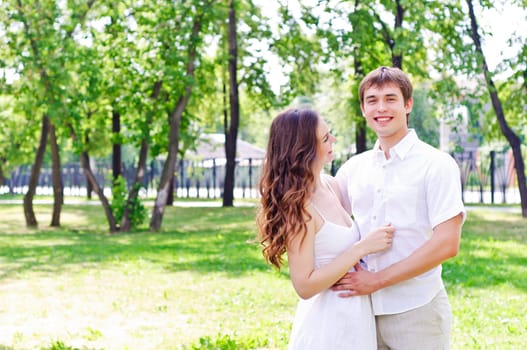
(301, 214)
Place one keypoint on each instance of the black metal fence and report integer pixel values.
(193, 179)
(488, 177)
(485, 177)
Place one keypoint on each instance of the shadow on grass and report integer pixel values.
(493, 252)
(222, 240)
(200, 240)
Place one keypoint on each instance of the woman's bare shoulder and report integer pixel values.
(332, 181)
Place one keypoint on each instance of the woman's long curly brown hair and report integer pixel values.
(287, 181)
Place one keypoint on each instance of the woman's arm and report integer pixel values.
(309, 281)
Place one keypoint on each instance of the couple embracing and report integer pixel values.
(364, 248)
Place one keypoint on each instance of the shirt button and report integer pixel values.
(378, 190)
(374, 217)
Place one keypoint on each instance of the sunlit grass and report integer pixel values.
(201, 283)
(487, 282)
(202, 277)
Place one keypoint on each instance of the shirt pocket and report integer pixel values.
(401, 205)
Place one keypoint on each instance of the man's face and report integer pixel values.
(385, 111)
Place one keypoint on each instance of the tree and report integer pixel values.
(238, 65)
(231, 124)
(42, 66)
(132, 85)
(126, 220)
(510, 135)
(29, 213)
(182, 97)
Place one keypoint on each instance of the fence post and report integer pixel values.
(214, 177)
(492, 170)
(181, 176)
(250, 177)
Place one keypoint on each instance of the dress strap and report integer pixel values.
(351, 220)
(331, 188)
(318, 212)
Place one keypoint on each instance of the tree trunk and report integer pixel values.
(29, 213)
(170, 197)
(47, 83)
(169, 166)
(167, 173)
(89, 186)
(231, 128)
(90, 177)
(360, 124)
(2, 177)
(512, 138)
(360, 136)
(56, 172)
(92, 181)
(116, 158)
(397, 58)
(126, 222)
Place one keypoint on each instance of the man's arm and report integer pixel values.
(443, 245)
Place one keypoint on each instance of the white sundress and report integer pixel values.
(327, 321)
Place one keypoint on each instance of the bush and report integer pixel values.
(59, 345)
(225, 342)
(138, 212)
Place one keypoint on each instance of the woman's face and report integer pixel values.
(325, 141)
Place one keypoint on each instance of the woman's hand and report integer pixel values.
(377, 240)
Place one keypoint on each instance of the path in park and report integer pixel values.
(186, 203)
(510, 209)
(215, 204)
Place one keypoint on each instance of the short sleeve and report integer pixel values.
(443, 190)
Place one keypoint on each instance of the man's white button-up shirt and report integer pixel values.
(417, 188)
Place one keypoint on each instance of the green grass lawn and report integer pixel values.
(202, 283)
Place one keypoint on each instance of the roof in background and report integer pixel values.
(212, 146)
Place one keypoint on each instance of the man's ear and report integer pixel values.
(408, 105)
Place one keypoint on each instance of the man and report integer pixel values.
(416, 188)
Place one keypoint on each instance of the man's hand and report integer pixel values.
(360, 282)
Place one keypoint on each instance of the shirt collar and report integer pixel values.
(402, 148)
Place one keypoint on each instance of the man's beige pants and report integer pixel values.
(425, 328)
